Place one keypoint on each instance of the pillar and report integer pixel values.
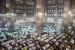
(66, 11)
(10, 15)
(40, 16)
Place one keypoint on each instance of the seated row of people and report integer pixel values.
(43, 41)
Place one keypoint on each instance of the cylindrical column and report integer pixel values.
(10, 15)
(66, 11)
(40, 16)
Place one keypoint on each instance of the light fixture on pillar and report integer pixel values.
(10, 14)
(70, 13)
(40, 14)
(7, 14)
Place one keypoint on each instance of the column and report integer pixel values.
(40, 16)
(10, 15)
(66, 11)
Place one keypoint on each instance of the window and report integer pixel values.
(30, 9)
(54, 6)
(19, 7)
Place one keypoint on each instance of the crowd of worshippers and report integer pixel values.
(39, 42)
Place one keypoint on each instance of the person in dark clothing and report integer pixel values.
(13, 47)
(0, 46)
(20, 48)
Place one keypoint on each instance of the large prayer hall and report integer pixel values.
(37, 24)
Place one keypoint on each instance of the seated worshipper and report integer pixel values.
(20, 47)
(46, 46)
(24, 47)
